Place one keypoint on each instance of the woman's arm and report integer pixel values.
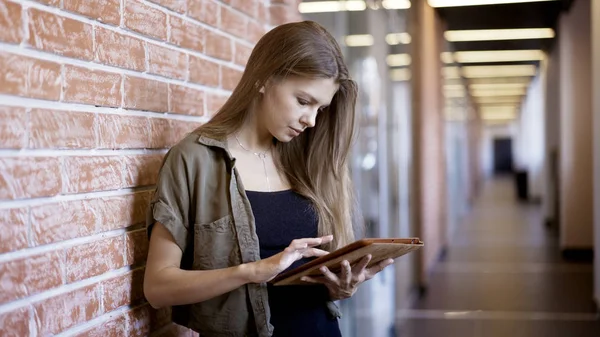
(166, 284)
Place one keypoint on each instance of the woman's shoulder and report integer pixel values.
(196, 146)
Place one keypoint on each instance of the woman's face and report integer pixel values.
(291, 105)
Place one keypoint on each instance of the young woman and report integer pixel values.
(255, 191)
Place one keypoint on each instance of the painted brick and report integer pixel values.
(29, 276)
(64, 311)
(13, 229)
(167, 62)
(15, 323)
(95, 258)
(121, 212)
(11, 22)
(230, 77)
(61, 129)
(88, 174)
(207, 11)
(179, 6)
(145, 19)
(145, 94)
(218, 46)
(60, 35)
(142, 170)
(167, 132)
(91, 87)
(214, 102)
(29, 177)
(255, 31)
(184, 100)
(119, 50)
(204, 71)
(13, 127)
(138, 321)
(114, 327)
(62, 221)
(25, 76)
(108, 11)
(241, 54)
(123, 290)
(121, 132)
(137, 247)
(280, 14)
(249, 7)
(187, 34)
(233, 22)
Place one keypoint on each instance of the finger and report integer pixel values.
(310, 242)
(314, 252)
(346, 275)
(379, 267)
(361, 265)
(329, 275)
(309, 279)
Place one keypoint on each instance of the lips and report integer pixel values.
(296, 131)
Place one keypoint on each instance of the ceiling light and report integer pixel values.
(397, 38)
(498, 86)
(447, 57)
(361, 40)
(454, 87)
(482, 56)
(402, 74)
(501, 80)
(499, 71)
(498, 100)
(498, 34)
(457, 3)
(331, 6)
(398, 60)
(451, 72)
(395, 4)
(499, 92)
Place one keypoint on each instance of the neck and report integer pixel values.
(253, 135)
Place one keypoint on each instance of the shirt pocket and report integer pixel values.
(215, 245)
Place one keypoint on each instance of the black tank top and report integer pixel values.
(281, 217)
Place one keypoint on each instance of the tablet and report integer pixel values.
(380, 250)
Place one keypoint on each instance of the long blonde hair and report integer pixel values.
(316, 162)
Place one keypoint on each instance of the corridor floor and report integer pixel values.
(503, 276)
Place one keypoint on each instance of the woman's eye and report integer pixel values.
(302, 102)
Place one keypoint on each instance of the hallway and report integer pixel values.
(503, 275)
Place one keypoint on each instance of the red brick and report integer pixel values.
(64, 311)
(233, 22)
(115, 327)
(11, 21)
(62, 221)
(207, 11)
(96, 173)
(61, 129)
(53, 3)
(60, 35)
(204, 71)
(145, 19)
(123, 211)
(15, 323)
(29, 276)
(144, 94)
(166, 133)
(25, 76)
(142, 170)
(137, 247)
(13, 127)
(167, 62)
(123, 132)
(108, 11)
(13, 229)
(255, 31)
(249, 7)
(186, 34)
(159, 317)
(218, 46)
(263, 12)
(179, 6)
(119, 50)
(214, 103)
(29, 177)
(184, 100)
(138, 321)
(123, 290)
(230, 77)
(241, 54)
(95, 258)
(92, 87)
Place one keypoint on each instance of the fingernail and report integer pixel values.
(303, 278)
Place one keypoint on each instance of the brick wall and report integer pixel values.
(92, 94)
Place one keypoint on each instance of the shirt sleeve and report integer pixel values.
(170, 204)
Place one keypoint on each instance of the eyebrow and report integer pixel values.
(311, 98)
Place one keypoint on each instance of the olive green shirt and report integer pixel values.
(200, 199)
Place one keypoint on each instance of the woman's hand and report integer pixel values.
(265, 270)
(345, 284)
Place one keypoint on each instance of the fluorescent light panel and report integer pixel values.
(498, 100)
(331, 6)
(501, 80)
(498, 86)
(361, 40)
(397, 38)
(459, 3)
(494, 56)
(451, 73)
(402, 74)
(499, 71)
(499, 34)
(398, 60)
(395, 4)
(498, 92)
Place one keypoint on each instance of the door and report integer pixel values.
(503, 155)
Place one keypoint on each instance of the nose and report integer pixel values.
(309, 120)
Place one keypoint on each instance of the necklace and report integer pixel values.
(260, 155)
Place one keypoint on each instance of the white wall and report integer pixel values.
(596, 109)
(576, 164)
